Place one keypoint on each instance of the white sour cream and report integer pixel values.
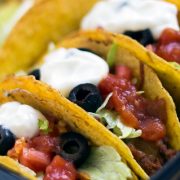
(119, 16)
(64, 69)
(21, 119)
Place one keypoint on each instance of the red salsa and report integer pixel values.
(168, 45)
(136, 110)
(59, 169)
(38, 154)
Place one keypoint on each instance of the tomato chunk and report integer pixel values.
(126, 113)
(44, 143)
(59, 169)
(35, 160)
(168, 46)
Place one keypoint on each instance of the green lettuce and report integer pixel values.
(113, 122)
(112, 55)
(44, 126)
(104, 163)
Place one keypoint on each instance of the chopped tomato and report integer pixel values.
(60, 169)
(108, 84)
(35, 160)
(168, 46)
(169, 35)
(135, 110)
(17, 149)
(126, 113)
(170, 52)
(123, 72)
(44, 143)
(152, 129)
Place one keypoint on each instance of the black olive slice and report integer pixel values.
(35, 73)
(74, 148)
(7, 140)
(86, 96)
(144, 36)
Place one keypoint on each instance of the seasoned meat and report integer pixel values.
(149, 163)
(165, 151)
(151, 156)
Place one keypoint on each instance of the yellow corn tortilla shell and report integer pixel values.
(169, 76)
(49, 101)
(46, 21)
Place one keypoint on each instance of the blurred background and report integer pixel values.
(10, 12)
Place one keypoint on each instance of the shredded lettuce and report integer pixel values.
(112, 54)
(105, 102)
(113, 122)
(105, 163)
(175, 65)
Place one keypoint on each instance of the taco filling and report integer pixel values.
(168, 46)
(133, 110)
(51, 150)
(115, 98)
(135, 18)
(132, 117)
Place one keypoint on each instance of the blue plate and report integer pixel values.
(6, 174)
(171, 170)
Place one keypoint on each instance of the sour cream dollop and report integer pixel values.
(119, 16)
(64, 69)
(21, 119)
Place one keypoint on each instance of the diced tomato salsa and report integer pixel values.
(37, 154)
(135, 110)
(168, 45)
(59, 169)
(34, 159)
(44, 143)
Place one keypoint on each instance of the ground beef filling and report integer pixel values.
(151, 163)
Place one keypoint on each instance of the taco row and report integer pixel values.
(15, 56)
(118, 106)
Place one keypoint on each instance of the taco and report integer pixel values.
(137, 109)
(135, 18)
(47, 134)
(45, 22)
